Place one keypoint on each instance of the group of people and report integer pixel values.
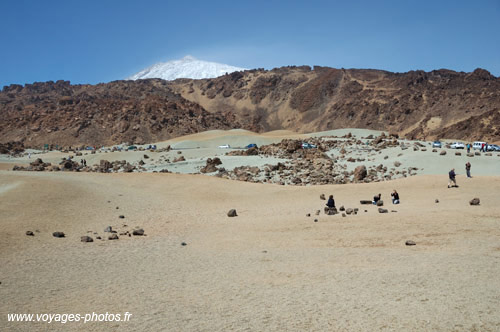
(394, 195)
(452, 182)
(394, 198)
(83, 162)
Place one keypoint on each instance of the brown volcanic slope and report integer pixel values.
(116, 112)
(417, 104)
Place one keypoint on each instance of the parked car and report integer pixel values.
(477, 145)
(436, 144)
(458, 145)
(306, 145)
(225, 146)
(494, 147)
(252, 145)
(132, 147)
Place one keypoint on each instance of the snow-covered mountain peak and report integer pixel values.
(187, 67)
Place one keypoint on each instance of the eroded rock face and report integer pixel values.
(321, 98)
(360, 173)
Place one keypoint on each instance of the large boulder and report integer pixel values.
(360, 173)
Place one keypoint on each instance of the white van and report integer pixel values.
(477, 145)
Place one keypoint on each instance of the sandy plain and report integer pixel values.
(272, 268)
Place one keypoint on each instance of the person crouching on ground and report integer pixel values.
(452, 182)
(395, 197)
(376, 198)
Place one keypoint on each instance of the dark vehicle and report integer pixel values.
(251, 146)
(436, 144)
(132, 147)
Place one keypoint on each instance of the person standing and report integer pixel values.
(452, 182)
(468, 147)
(467, 169)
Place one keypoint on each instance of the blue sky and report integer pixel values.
(100, 41)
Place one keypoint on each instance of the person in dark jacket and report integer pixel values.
(331, 202)
(452, 182)
(395, 197)
(376, 198)
(467, 169)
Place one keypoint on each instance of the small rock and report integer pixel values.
(349, 211)
(318, 212)
(343, 214)
(436, 200)
(342, 208)
(315, 220)
(382, 210)
(58, 234)
(410, 243)
(86, 239)
(474, 201)
(308, 215)
(113, 237)
(380, 203)
(184, 244)
(117, 207)
(30, 233)
(121, 216)
(232, 213)
(98, 238)
(138, 232)
(365, 202)
(108, 229)
(442, 153)
(322, 196)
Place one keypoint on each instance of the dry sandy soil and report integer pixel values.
(271, 268)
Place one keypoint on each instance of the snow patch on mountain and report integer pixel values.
(187, 67)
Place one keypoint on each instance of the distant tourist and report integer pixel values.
(452, 182)
(331, 202)
(376, 198)
(395, 197)
(468, 147)
(467, 169)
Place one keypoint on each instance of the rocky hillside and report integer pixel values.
(417, 104)
(123, 111)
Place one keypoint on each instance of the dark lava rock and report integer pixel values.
(108, 229)
(113, 237)
(410, 243)
(138, 232)
(58, 234)
(436, 200)
(349, 211)
(232, 213)
(86, 239)
(30, 233)
(322, 196)
(380, 203)
(184, 244)
(365, 202)
(381, 210)
(315, 220)
(474, 201)
(121, 216)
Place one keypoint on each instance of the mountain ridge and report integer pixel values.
(417, 105)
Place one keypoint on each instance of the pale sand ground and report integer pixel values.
(197, 148)
(269, 269)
